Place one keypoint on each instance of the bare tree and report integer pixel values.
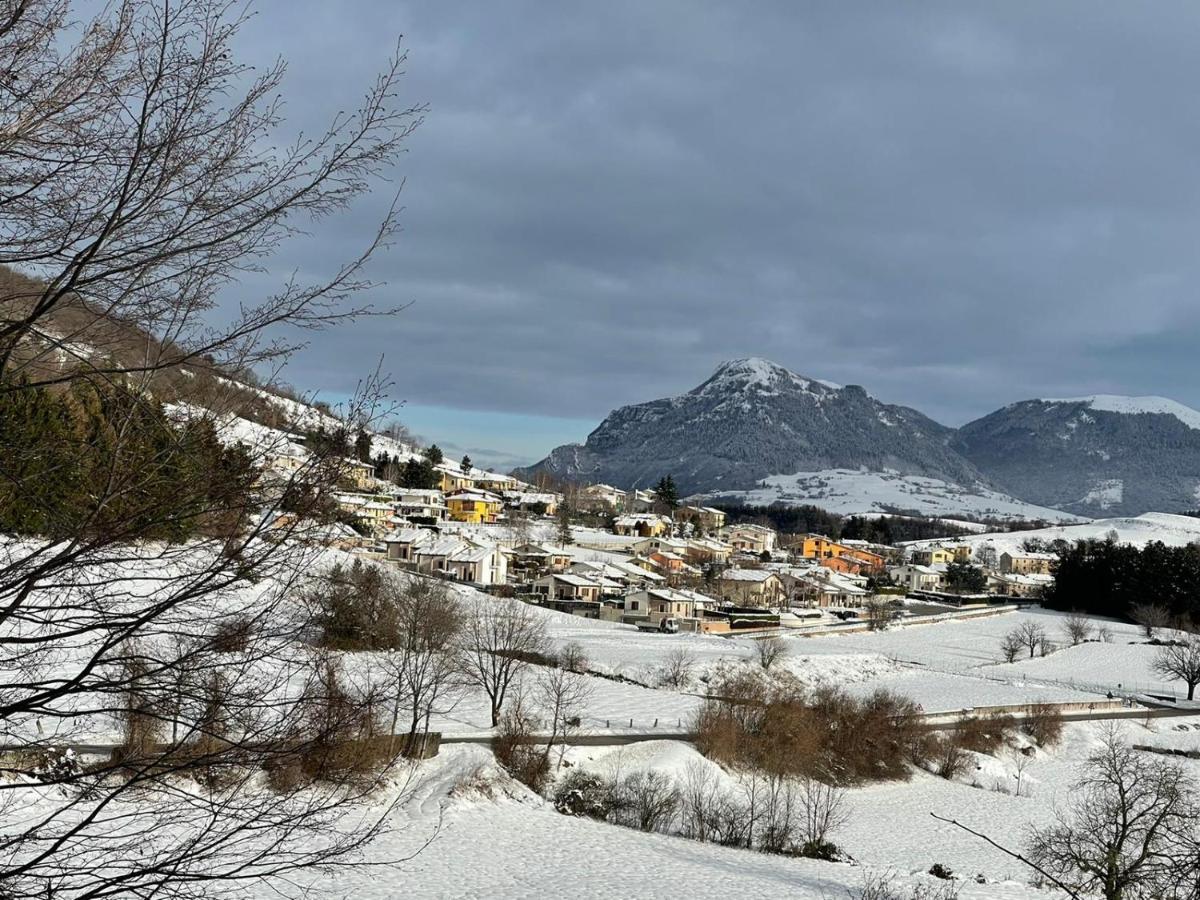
(824, 809)
(1077, 627)
(1028, 635)
(1011, 646)
(676, 669)
(573, 658)
(422, 662)
(143, 169)
(562, 696)
(1128, 830)
(880, 614)
(1151, 616)
(769, 651)
(500, 639)
(648, 800)
(1180, 660)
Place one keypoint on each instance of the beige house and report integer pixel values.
(751, 587)
(939, 556)
(660, 602)
(709, 518)
(755, 539)
(1026, 563)
(564, 586)
(642, 525)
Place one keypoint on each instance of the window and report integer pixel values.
(633, 605)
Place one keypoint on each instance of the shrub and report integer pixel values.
(947, 759)
(516, 751)
(825, 850)
(1043, 725)
(984, 734)
(937, 870)
(586, 795)
(647, 800)
(232, 635)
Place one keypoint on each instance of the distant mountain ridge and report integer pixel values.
(1091, 455)
(754, 420)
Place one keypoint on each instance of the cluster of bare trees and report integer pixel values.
(1027, 637)
(1128, 831)
(143, 169)
(769, 811)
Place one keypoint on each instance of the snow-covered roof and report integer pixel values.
(755, 575)
(575, 580)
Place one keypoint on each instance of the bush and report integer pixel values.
(585, 795)
(984, 734)
(647, 801)
(1043, 725)
(825, 850)
(947, 759)
(937, 870)
(516, 751)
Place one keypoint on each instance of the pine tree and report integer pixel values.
(562, 524)
(466, 463)
(434, 454)
(667, 494)
(362, 446)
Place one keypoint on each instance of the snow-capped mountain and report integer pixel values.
(753, 419)
(1091, 455)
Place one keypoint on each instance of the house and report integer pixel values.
(482, 564)
(642, 525)
(1026, 563)
(661, 602)
(702, 551)
(402, 543)
(1016, 584)
(829, 588)
(648, 545)
(564, 586)
(751, 587)
(870, 560)
(916, 577)
(619, 573)
(709, 518)
(747, 538)
(932, 556)
(493, 481)
(474, 507)
(360, 474)
(846, 564)
(454, 478)
(537, 502)
(668, 562)
(817, 546)
(537, 559)
(425, 504)
(601, 498)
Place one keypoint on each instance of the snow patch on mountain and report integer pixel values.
(1105, 494)
(1137, 405)
(849, 492)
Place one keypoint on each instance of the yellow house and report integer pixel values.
(454, 480)
(475, 507)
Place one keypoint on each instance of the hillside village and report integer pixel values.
(643, 556)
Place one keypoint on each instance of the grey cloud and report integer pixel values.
(955, 204)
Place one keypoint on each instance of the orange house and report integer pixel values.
(873, 562)
(815, 546)
(847, 564)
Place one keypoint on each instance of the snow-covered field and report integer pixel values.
(849, 491)
(1172, 530)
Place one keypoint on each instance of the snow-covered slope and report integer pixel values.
(850, 492)
(1138, 405)
(1172, 530)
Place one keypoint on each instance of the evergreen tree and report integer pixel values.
(667, 494)
(362, 446)
(964, 578)
(434, 454)
(466, 463)
(562, 524)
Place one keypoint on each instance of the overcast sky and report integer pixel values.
(955, 205)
